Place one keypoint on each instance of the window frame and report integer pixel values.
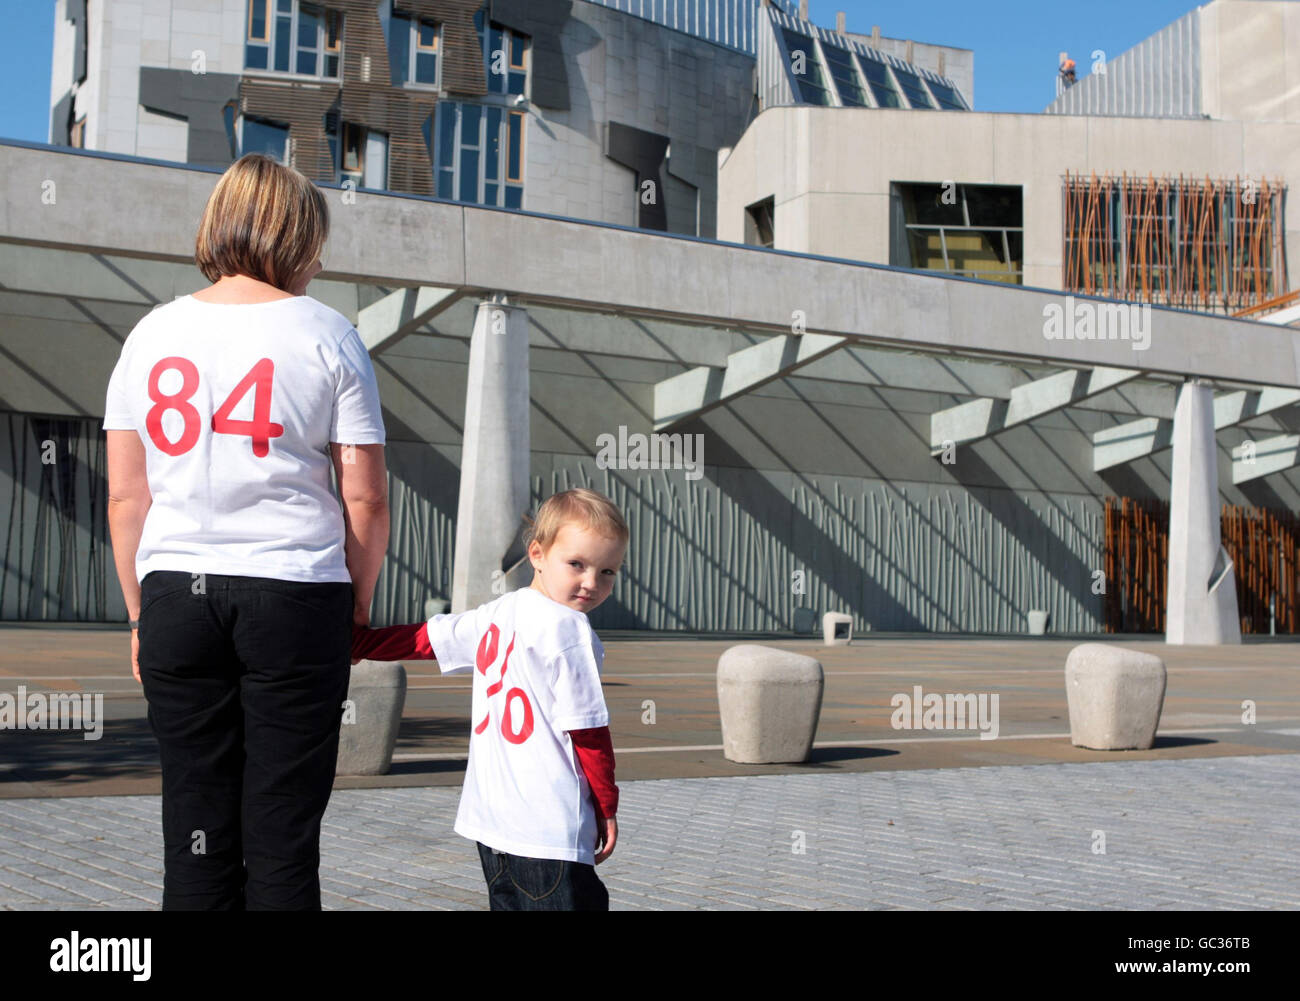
(809, 47)
(504, 180)
(854, 71)
(508, 36)
(324, 52)
(414, 48)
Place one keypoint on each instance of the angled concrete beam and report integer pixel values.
(1135, 439)
(701, 389)
(1253, 460)
(985, 417)
(382, 324)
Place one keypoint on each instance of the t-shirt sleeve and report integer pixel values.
(579, 701)
(455, 639)
(117, 409)
(357, 419)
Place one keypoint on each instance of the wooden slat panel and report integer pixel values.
(373, 102)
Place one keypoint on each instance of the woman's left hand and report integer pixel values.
(135, 653)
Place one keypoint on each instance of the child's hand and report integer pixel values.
(606, 837)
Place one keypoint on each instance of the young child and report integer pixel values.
(539, 795)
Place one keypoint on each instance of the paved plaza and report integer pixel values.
(1180, 835)
(877, 818)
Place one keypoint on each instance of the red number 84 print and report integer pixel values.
(261, 428)
(487, 654)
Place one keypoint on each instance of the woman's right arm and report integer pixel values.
(363, 487)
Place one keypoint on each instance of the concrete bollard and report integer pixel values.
(769, 701)
(1037, 622)
(371, 717)
(837, 629)
(1115, 696)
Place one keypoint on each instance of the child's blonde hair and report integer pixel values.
(594, 512)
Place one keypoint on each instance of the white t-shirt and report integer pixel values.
(254, 500)
(536, 667)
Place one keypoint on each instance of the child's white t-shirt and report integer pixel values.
(536, 667)
(250, 499)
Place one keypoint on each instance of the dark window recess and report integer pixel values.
(760, 217)
(270, 138)
(975, 231)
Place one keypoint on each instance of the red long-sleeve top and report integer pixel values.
(594, 747)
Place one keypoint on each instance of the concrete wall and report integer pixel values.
(829, 169)
(128, 34)
(1251, 52)
(632, 71)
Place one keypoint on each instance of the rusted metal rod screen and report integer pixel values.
(1264, 546)
(1215, 245)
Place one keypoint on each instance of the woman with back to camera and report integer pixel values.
(223, 415)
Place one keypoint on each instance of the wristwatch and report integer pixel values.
(134, 623)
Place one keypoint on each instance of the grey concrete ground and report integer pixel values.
(1209, 833)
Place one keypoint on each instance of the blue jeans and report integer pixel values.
(516, 883)
(245, 679)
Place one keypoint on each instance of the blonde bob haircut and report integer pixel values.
(263, 220)
(586, 508)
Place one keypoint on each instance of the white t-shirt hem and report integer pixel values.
(204, 564)
(525, 849)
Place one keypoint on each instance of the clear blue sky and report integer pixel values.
(1015, 41)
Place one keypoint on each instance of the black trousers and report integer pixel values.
(245, 679)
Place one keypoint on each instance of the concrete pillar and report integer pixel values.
(1202, 598)
(495, 456)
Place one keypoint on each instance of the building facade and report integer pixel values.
(820, 486)
(613, 111)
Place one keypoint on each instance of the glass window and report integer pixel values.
(840, 63)
(413, 49)
(376, 161)
(399, 48)
(882, 89)
(948, 98)
(426, 52)
(970, 230)
(805, 68)
(298, 38)
(515, 145)
(309, 30)
(480, 148)
(468, 175)
(283, 38)
(916, 93)
(492, 148)
(258, 28)
(260, 136)
(505, 55)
